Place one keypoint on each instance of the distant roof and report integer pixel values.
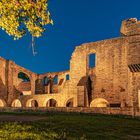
(134, 67)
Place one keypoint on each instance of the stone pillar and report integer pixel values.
(10, 87)
(33, 84)
(48, 89)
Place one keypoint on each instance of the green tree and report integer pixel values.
(19, 16)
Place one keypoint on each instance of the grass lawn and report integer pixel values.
(70, 126)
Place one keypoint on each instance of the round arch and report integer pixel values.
(24, 76)
(2, 103)
(31, 103)
(99, 102)
(23, 83)
(50, 103)
(16, 103)
(69, 102)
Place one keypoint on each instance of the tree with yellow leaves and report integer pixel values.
(19, 16)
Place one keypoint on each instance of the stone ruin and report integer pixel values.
(112, 80)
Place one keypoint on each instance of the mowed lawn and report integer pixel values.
(69, 126)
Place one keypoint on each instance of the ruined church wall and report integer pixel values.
(32, 76)
(9, 74)
(56, 88)
(111, 73)
(3, 79)
(111, 78)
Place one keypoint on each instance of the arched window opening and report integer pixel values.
(92, 60)
(51, 103)
(67, 77)
(23, 84)
(56, 79)
(24, 77)
(45, 81)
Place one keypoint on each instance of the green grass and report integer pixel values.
(71, 126)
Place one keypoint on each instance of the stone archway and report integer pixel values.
(16, 103)
(69, 102)
(50, 103)
(2, 103)
(31, 103)
(99, 102)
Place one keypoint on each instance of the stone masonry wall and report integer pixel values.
(110, 71)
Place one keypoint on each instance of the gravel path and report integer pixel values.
(15, 118)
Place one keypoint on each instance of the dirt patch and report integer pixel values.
(134, 137)
(14, 118)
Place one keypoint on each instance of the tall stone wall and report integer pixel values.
(111, 71)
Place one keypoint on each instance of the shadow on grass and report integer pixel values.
(70, 126)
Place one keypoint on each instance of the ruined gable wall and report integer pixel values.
(78, 70)
(110, 71)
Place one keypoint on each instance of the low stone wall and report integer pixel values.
(110, 111)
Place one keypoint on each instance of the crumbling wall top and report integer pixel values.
(130, 27)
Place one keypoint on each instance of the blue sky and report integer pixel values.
(75, 22)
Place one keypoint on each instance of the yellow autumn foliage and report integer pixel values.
(19, 16)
